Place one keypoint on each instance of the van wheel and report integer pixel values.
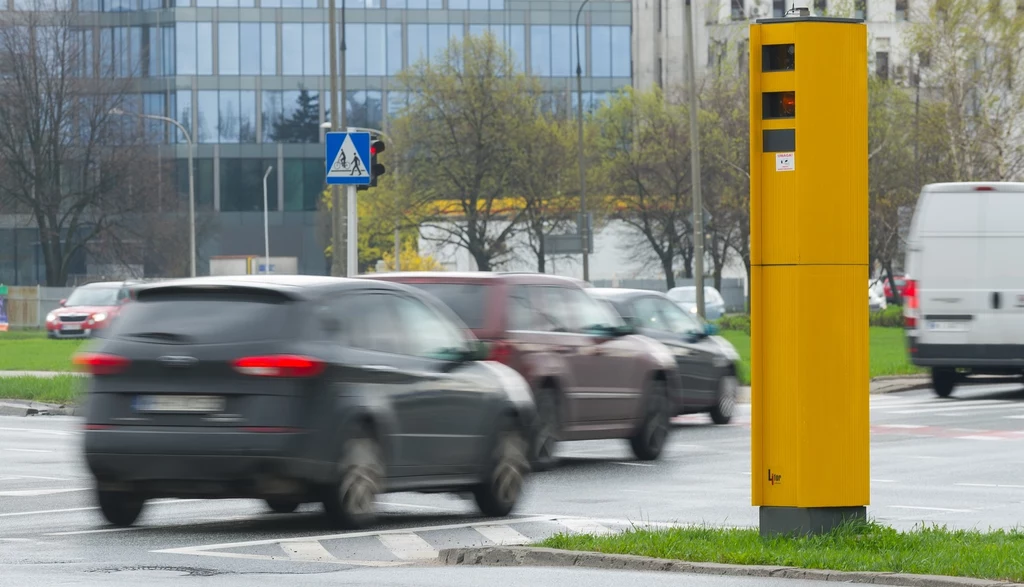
(350, 502)
(943, 381)
(725, 402)
(120, 508)
(282, 506)
(507, 468)
(544, 441)
(649, 440)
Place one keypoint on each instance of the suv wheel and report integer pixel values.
(282, 506)
(350, 502)
(943, 381)
(649, 439)
(120, 508)
(545, 438)
(725, 401)
(507, 468)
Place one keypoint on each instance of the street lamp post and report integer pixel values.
(191, 181)
(584, 224)
(266, 223)
(698, 201)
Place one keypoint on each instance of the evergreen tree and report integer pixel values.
(303, 126)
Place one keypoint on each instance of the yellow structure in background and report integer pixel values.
(809, 255)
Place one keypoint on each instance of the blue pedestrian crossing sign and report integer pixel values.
(348, 158)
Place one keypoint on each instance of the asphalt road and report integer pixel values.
(954, 462)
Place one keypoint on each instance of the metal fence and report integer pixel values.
(733, 288)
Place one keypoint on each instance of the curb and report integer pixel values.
(16, 408)
(879, 385)
(549, 557)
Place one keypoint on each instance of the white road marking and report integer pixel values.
(634, 464)
(584, 526)
(209, 547)
(308, 551)
(408, 546)
(903, 426)
(39, 492)
(1002, 486)
(28, 450)
(413, 506)
(38, 431)
(1017, 417)
(977, 437)
(70, 510)
(959, 407)
(916, 507)
(16, 477)
(98, 531)
(503, 535)
(883, 481)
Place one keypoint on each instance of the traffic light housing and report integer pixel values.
(376, 169)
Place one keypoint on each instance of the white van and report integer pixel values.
(964, 296)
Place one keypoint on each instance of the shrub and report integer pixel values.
(891, 317)
(740, 322)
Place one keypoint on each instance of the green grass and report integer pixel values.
(32, 351)
(862, 547)
(59, 389)
(888, 352)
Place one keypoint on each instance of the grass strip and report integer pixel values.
(887, 347)
(926, 550)
(35, 353)
(59, 389)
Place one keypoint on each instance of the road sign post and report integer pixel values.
(349, 164)
(809, 242)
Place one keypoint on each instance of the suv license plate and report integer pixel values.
(948, 325)
(180, 403)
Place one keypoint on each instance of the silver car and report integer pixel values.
(686, 297)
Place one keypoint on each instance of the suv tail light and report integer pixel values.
(279, 366)
(911, 304)
(101, 363)
(501, 352)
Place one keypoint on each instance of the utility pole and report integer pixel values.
(698, 201)
(584, 226)
(339, 253)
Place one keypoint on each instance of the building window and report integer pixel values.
(241, 185)
(739, 9)
(860, 9)
(778, 8)
(658, 9)
(820, 7)
(658, 79)
(902, 10)
(303, 184)
(882, 65)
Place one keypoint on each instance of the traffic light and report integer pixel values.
(376, 169)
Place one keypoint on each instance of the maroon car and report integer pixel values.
(592, 376)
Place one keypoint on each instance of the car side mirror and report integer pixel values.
(478, 351)
(63, 302)
(710, 330)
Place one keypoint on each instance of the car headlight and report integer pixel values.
(51, 317)
(99, 317)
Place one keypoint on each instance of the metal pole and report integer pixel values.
(698, 203)
(337, 234)
(266, 223)
(398, 249)
(353, 231)
(584, 226)
(191, 205)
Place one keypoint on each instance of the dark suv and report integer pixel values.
(295, 389)
(591, 375)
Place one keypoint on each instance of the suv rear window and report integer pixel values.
(465, 299)
(204, 317)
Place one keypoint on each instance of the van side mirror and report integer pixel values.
(63, 302)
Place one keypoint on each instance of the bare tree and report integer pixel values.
(460, 138)
(68, 160)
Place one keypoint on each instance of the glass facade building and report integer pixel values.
(249, 80)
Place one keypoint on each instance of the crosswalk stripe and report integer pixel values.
(584, 526)
(308, 551)
(408, 546)
(503, 535)
(971, 407)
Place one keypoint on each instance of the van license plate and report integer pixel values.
(180, 403)
(948, 325)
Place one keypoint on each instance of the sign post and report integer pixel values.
(349, 164)
(809, 242)
(3, 308)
